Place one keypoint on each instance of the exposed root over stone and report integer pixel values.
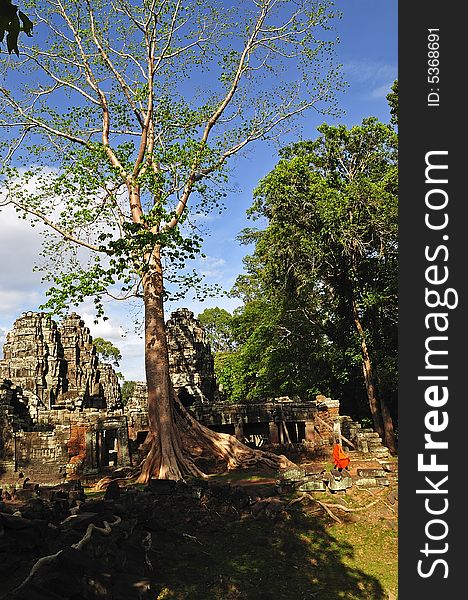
(51, 559)
(173, 452)
(106, 530)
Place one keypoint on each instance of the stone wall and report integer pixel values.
(109, 386)
(61, 412)
(60, 409)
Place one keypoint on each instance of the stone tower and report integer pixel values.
(33, 358)
(191, 363)
(82, 379)
(57, 366)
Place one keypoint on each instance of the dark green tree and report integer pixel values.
(128, 388)
(392, 98)
(281, 350)
(329, 252)
(128, 115)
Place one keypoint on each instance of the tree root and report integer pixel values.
(172, 454)
(46, 560)
(106, 530)
(147, 544)
(327, 507)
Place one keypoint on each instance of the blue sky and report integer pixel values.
(368, 52)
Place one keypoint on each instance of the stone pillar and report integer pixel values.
(239, 429)
(337, 431)
(274, 439)
(310, 432)
(104, 462)
(91, 458)
(123, 455)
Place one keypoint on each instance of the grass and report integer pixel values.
(374, 551)
(298, 559)
(305, 556)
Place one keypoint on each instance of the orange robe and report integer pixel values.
(339, 457)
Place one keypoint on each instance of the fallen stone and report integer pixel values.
(112, 491)
(30, 485)
(339, 480)
(390, 467)
(291, 475)
(14, 521)
(163, 487)
(25, 494)
(76, 495)
(372, 482)
(380, 453)
(312, 486)
(47, 494)
(371, 472)
(81, 521)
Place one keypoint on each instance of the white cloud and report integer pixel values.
(19, 248)
(211, 266)
(383, 90)
(364, 71)
(3, 334)
(106, 329)
(375, 76)
(20, 288)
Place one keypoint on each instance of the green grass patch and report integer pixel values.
(375, 550)
(300, 558)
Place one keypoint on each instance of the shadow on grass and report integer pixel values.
(182, 548)
(297, 559)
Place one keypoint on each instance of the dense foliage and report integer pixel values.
(323, 276)
(217, 324)
(127, 389)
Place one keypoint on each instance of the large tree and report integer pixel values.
(328, 256)
(124, 125)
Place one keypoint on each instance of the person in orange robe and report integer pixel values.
(339, 457)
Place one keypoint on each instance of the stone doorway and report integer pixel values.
(107, 449)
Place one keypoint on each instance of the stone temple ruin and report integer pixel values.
(62, 416)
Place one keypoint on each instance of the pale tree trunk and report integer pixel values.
(381, 417)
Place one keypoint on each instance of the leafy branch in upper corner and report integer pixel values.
(12, 22)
